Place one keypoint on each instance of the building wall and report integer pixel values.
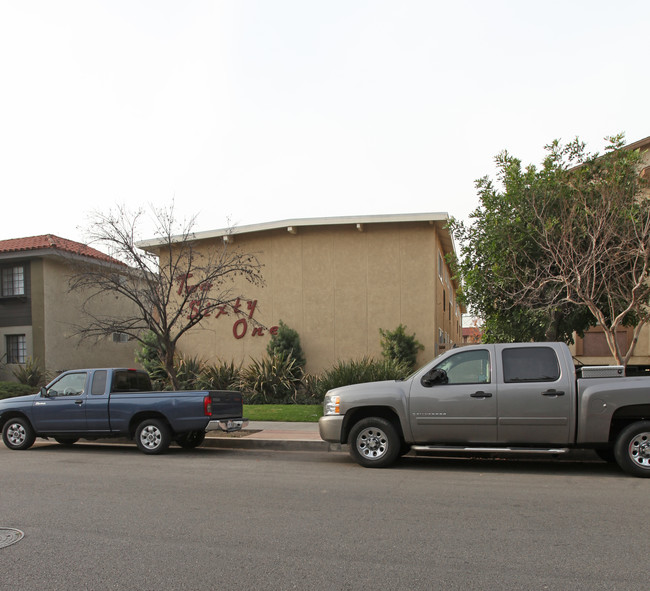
(51, 320)
(61, 317)
(337, 286)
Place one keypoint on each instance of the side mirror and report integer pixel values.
(44, 393)
(435, 376)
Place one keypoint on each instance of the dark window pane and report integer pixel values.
(530, 364)
(99, 382)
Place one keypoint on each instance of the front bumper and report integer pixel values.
(330, 428)
(227, 425)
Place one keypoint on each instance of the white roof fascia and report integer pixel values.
(296, 223)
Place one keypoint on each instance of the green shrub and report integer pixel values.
(274, 379)
(399, 346)
(360, 371)
(309, 391)
(221, 376)
(31, 374)
(188, 372)
(148, 357)
(11, 389)
(286, 342)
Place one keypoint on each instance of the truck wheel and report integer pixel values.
(191, 440)
(632, 449)
(152, 436)
(374, 443)
(18, 434)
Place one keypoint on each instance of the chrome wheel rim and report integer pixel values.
(639, 450)
(372, 443)
(16, 434)
(150, 437)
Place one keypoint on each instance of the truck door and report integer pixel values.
(97, 403)
(535, 397)
(63, 409)
(455, 401)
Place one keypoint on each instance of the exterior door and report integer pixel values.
(535, 397)
(64, 407)
(455, 401)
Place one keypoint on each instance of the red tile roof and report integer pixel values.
(51, 242)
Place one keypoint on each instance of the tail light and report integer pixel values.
(207, 406)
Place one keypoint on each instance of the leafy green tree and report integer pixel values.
(560, 248)
(399, 346)
(285, 343)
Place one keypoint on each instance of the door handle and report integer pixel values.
(481, 394)
(79, 402)
(552, 392)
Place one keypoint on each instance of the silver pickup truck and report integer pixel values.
(519, 397)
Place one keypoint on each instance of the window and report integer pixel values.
(120, 337)
(13, 281)
(131, 381)
(71, 384)
(99, 382)
(530, 364)
(16, 348)
(468, 367)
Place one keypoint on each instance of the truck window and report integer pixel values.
(467, 367)
(131, 381)
(530, 364)
(71, 384)
(99, 382)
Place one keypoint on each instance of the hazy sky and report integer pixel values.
(250, 111)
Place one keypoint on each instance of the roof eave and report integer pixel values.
(307, 222)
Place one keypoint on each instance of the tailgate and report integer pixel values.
(226, 405)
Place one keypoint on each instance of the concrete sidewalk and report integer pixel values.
(270, 435)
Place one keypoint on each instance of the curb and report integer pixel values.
(270, 444)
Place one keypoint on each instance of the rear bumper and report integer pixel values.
(227, 425)
(330, 428)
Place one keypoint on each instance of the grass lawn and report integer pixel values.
(305, 413)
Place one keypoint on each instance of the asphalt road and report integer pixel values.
(108, 517)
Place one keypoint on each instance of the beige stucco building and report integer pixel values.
(39, 316)
(336, 281)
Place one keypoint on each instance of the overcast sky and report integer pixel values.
(250, 111)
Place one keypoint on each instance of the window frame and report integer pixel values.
(527, 354)
(12, 279)
(20, 349)
(482, 352)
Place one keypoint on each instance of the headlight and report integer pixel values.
(332, 404)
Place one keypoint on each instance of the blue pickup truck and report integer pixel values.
(102, 403)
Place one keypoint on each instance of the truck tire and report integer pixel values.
(152, 436)
(191, 440)
(374, 443)
(18, 434)
(632, 449)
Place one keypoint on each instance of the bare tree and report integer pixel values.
(170, 283)
(576, 232)
(594, 243)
